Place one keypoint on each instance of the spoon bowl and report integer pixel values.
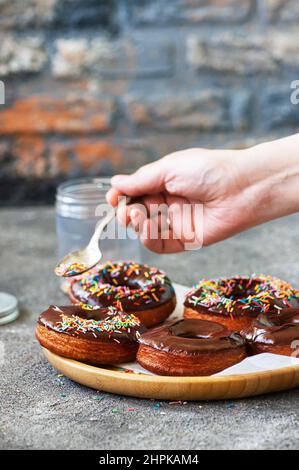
(78, 262)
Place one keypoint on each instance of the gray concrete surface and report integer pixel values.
(40, 410)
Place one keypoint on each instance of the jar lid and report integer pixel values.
(9, 309)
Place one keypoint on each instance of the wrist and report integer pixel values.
(270, 174)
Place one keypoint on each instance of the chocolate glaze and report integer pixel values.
(281, 328)
(239, 293)
(51, 319)
(191, 337)
(163, 292)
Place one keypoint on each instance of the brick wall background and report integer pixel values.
(99, 86)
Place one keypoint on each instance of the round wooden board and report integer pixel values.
(176, 388)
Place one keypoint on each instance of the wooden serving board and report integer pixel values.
(176, 388)
(109, 379)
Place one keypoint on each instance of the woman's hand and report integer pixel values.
(236, 190)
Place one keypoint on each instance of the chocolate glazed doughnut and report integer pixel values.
(275, 333)
(236, 302)
(190, 348)
(144, 291)
(103, 336)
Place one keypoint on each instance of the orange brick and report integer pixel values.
(60, 160)
(45, 114)
(89, 153)
(82, 156)
(29, 153)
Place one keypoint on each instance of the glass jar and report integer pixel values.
(77, 203)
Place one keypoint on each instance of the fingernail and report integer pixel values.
(134, 214)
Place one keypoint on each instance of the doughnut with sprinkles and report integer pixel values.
(236, 302)
(102, 336)
(145, 291)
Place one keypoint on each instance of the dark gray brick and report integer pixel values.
(277, 109)
(157, 12)
(203, 110)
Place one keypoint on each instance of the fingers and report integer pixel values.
(153, 226)
(171, 227)
(165, 182)
(164, 223)
(153, 207)
(186, 220)
(112, 196)
(162, 244)
(149, 179)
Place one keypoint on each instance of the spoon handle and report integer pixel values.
(106, 220)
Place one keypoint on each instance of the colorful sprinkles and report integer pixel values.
(74, 269)
(128, 280)
(260, 294)
(116, 321)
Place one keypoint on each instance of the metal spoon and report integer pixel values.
(80, 261)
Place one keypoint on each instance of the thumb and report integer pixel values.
(148, 179)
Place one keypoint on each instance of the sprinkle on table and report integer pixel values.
(98, 398)
(157, 406)
(178, 402)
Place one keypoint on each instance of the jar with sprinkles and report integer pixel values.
(80, 204)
